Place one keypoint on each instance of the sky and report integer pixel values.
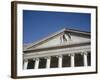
(39, 24)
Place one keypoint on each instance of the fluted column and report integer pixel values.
(36, 63)
(60, 61)
(48, 62)
(72, 60)
(85, 59)
(25, 64)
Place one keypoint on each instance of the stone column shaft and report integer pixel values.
(48, 62)
(72, 60)
(85, 59)
(36, 63)
(25, 64)
(60, 61)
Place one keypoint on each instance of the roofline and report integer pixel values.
(79, 31)
(56, 33)
(45, 38)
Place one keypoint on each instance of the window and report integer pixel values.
(42, 63)
(79, 61)
(54, 62)
(31, 64)
(89, 59)
(66, 61)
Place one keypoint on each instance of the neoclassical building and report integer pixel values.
(62, 49)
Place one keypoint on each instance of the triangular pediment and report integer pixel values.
(64, 36)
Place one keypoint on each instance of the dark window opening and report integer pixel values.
(66, 61)
(89, 59)
(54, 62)
(42, 63)
(79, 60)
(31, 64)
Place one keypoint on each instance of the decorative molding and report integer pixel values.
(55, 52)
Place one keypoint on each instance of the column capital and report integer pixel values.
(47, 57)
(72, 54)
(85, 52)
(36, 58)
(69, 54)
(59, 55)
(26, 60)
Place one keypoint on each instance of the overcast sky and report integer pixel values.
(39, 24)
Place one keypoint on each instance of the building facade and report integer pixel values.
(62, 49)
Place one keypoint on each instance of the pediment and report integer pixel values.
(65, 37)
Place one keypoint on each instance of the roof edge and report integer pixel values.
(56, 33)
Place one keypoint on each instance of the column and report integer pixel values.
(48, 62)
(36, 63)
(72, 60)
(85, 59)
(25, 64)
(60, 61)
